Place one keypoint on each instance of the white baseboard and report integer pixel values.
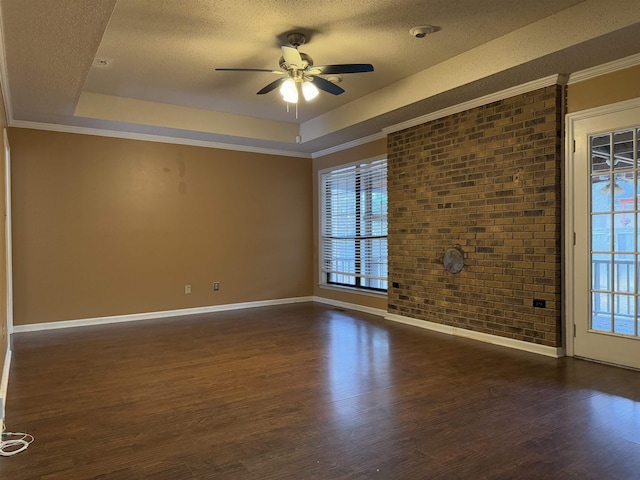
(351, 306)
(85, 322)
(4, 384)
(555, 352)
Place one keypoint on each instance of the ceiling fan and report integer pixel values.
(298, 73)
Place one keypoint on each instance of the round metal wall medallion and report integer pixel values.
(453, 260)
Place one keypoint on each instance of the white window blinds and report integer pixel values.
(354, 226)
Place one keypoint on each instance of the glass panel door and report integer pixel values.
(604, 214)
(614, 233)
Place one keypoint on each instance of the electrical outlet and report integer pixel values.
(187, 289)
(216, 286)
(537, 303)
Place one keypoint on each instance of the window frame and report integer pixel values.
(322, 275)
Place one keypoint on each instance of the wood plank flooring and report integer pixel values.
(308, 391)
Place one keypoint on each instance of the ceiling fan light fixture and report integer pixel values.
(289, 91)
(309, 90)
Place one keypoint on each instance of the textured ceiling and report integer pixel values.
(161, 78)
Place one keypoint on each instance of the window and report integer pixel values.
(354, 226)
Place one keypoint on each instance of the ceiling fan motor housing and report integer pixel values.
(296, 39)
(306, 61)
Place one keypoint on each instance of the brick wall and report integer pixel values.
(487, 180)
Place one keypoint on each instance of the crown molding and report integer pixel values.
(348, 145)
(560, 79)
(153, 138)
(479, 102)
(603, 69)
(461, 107)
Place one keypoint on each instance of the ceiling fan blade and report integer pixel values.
(326, 85)
(246, 70)
(272, 86)
(292, 56)
(346, 68)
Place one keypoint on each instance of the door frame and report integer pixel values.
(569, 209)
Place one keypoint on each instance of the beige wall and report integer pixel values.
(362, 152)
(105, 226)
(109, 226)
(604, 90)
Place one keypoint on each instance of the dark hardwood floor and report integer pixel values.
(308, 391)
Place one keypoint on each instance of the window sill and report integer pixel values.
(354, 290)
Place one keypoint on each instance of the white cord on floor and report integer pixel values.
(11, 445)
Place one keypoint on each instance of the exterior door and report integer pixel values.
(606, 220)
